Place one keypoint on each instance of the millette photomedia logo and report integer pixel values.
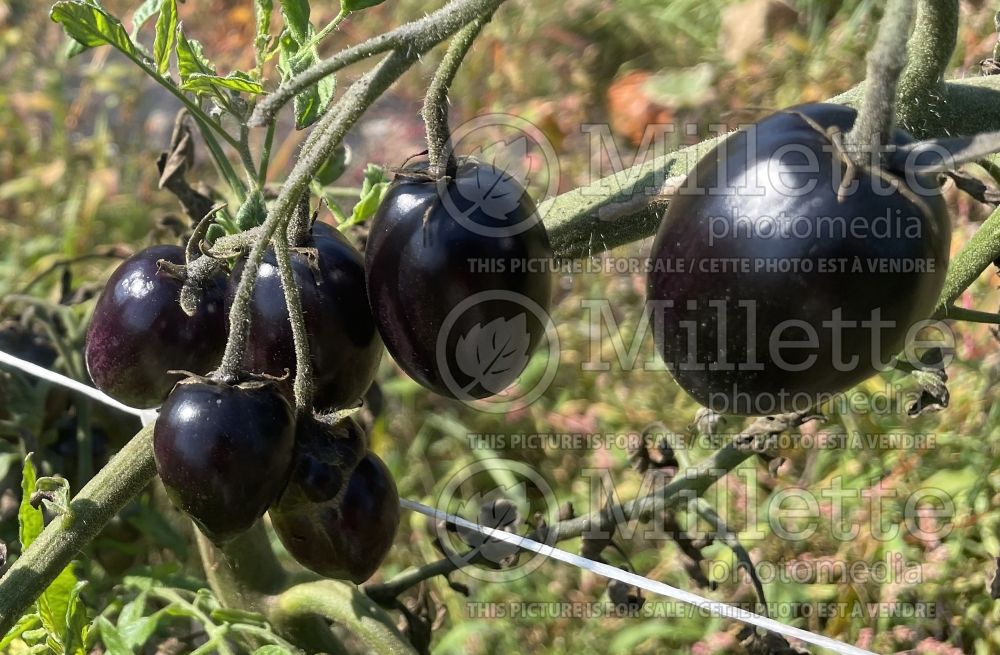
(504, 495)
(486, 340)
(515, 153)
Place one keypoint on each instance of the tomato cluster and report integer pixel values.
(230, 448)
(456, 281)
(226, 451)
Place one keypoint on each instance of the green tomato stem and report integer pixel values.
(97, 502)
(345, 605)
(418, 36)
(303, 361)
(265, 156)
(326, 135)
(327, 29)
(886, 61)
(981, 251)
(435, 110)
(935, 34)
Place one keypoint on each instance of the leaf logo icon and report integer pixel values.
(492, 354)
(501, 161)
(495, 509)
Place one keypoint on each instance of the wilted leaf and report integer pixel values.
(489, 353)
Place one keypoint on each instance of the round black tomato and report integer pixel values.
(459, 278)
(774, 284)
(224, 452)
(347, 535)
(139, 332)
(343, 343)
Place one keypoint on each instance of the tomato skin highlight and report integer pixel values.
(464, 257)
(139, 332)
(343, 343)
(224, 453)
(768, 314)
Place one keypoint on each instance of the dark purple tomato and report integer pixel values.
(459, 278)
(224, 452)
(343, 342)
(325, 455)
(345, 536)
(770, 289)
(139, 332)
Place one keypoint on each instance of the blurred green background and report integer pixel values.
(78, 144)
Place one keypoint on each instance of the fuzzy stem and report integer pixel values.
(340, 603)
(886, 60)
(265, 157)
(921, 86)
(981, 251)
(97, 502)
(244, 571)
(327, 134)
(435, 111)
(303, 361)
(413, 38)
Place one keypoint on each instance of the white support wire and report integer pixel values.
(714, 607)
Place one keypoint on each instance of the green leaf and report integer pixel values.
(138, 632)
(271, 649)
(143, 14)
(191, 59)
(236, 81)
(358, 5)
(29, 520)
(92, 26)
(262, 13)
(232, 615)
(296, 13)
(25, 623)
(114, 643)
(368, 204)
(333, 167)
(73, 47)
(77, 625)
(53, 604)
(313, 102)
(166, 30)
(252, 212)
